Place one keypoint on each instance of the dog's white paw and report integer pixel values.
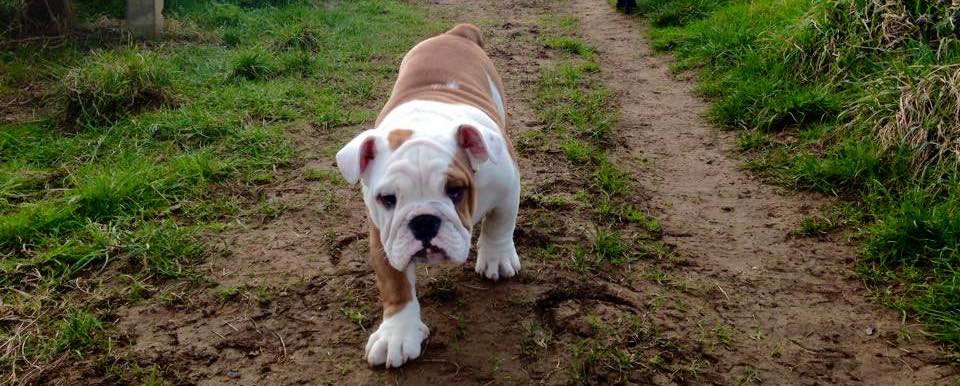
(398, 338)
(496, 263)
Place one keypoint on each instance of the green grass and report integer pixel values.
(125, 153)
(866, 92)
(618, 351)
(611, 179)
(110, 85)
(578, 152)
(579, 114)
(664, 13)
(569, 44)
(254, 64)
(610, 245)
(229, 293)
(77, 332)
(325, 176)
(841, 215)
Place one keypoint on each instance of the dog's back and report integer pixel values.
(450, 68)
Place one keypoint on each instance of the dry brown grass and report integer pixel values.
(21, 315)
(919, 109)
(916, 104)
(890, 24)
(851, 30)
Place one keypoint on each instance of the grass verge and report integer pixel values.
(855, 98)
(115, 157)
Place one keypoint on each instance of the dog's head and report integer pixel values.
(419, 188)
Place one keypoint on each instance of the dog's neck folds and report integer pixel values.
(425, 114)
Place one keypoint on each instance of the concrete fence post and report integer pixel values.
(145, 18)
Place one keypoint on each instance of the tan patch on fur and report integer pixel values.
(395, 291)
(461, 174)
(397, 137)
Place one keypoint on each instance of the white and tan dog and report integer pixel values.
(436, 164)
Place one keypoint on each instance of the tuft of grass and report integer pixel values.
(520, 302)
(152, 377)
(580, 260)
(571, 100)
(579, 153)
(530, 140)
(840, 215)
(609, 245)
(229, 293)
(570, 45)
(254, 64)
(301, 37)
(356, 315)
(611, 180)
(749, 377)
(111, 85)
(916, 108)
(754, 140)
(814, 226)
(637, 215)
(323, 175)
(77, 333)
(723, 336)
(165, 248)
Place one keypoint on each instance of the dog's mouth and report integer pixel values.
(430, 254)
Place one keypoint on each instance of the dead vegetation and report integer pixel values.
(918, 109)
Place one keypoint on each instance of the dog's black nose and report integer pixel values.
(425, 227)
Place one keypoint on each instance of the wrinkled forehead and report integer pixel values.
(418, 164)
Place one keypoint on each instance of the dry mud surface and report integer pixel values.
(748, 302)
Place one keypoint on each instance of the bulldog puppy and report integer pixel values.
(437, 163)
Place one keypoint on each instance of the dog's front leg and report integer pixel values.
(496, 254)
(401, 332)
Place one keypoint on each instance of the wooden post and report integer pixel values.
(145, 18)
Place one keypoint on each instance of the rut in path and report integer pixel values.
(793, 295)
(792, 310)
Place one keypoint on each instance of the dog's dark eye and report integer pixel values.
(455, 193)
(387, 200)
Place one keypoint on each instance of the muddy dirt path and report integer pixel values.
(795, 305)
(295, 299)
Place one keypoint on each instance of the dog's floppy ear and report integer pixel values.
(356, 156)
(479, 145)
